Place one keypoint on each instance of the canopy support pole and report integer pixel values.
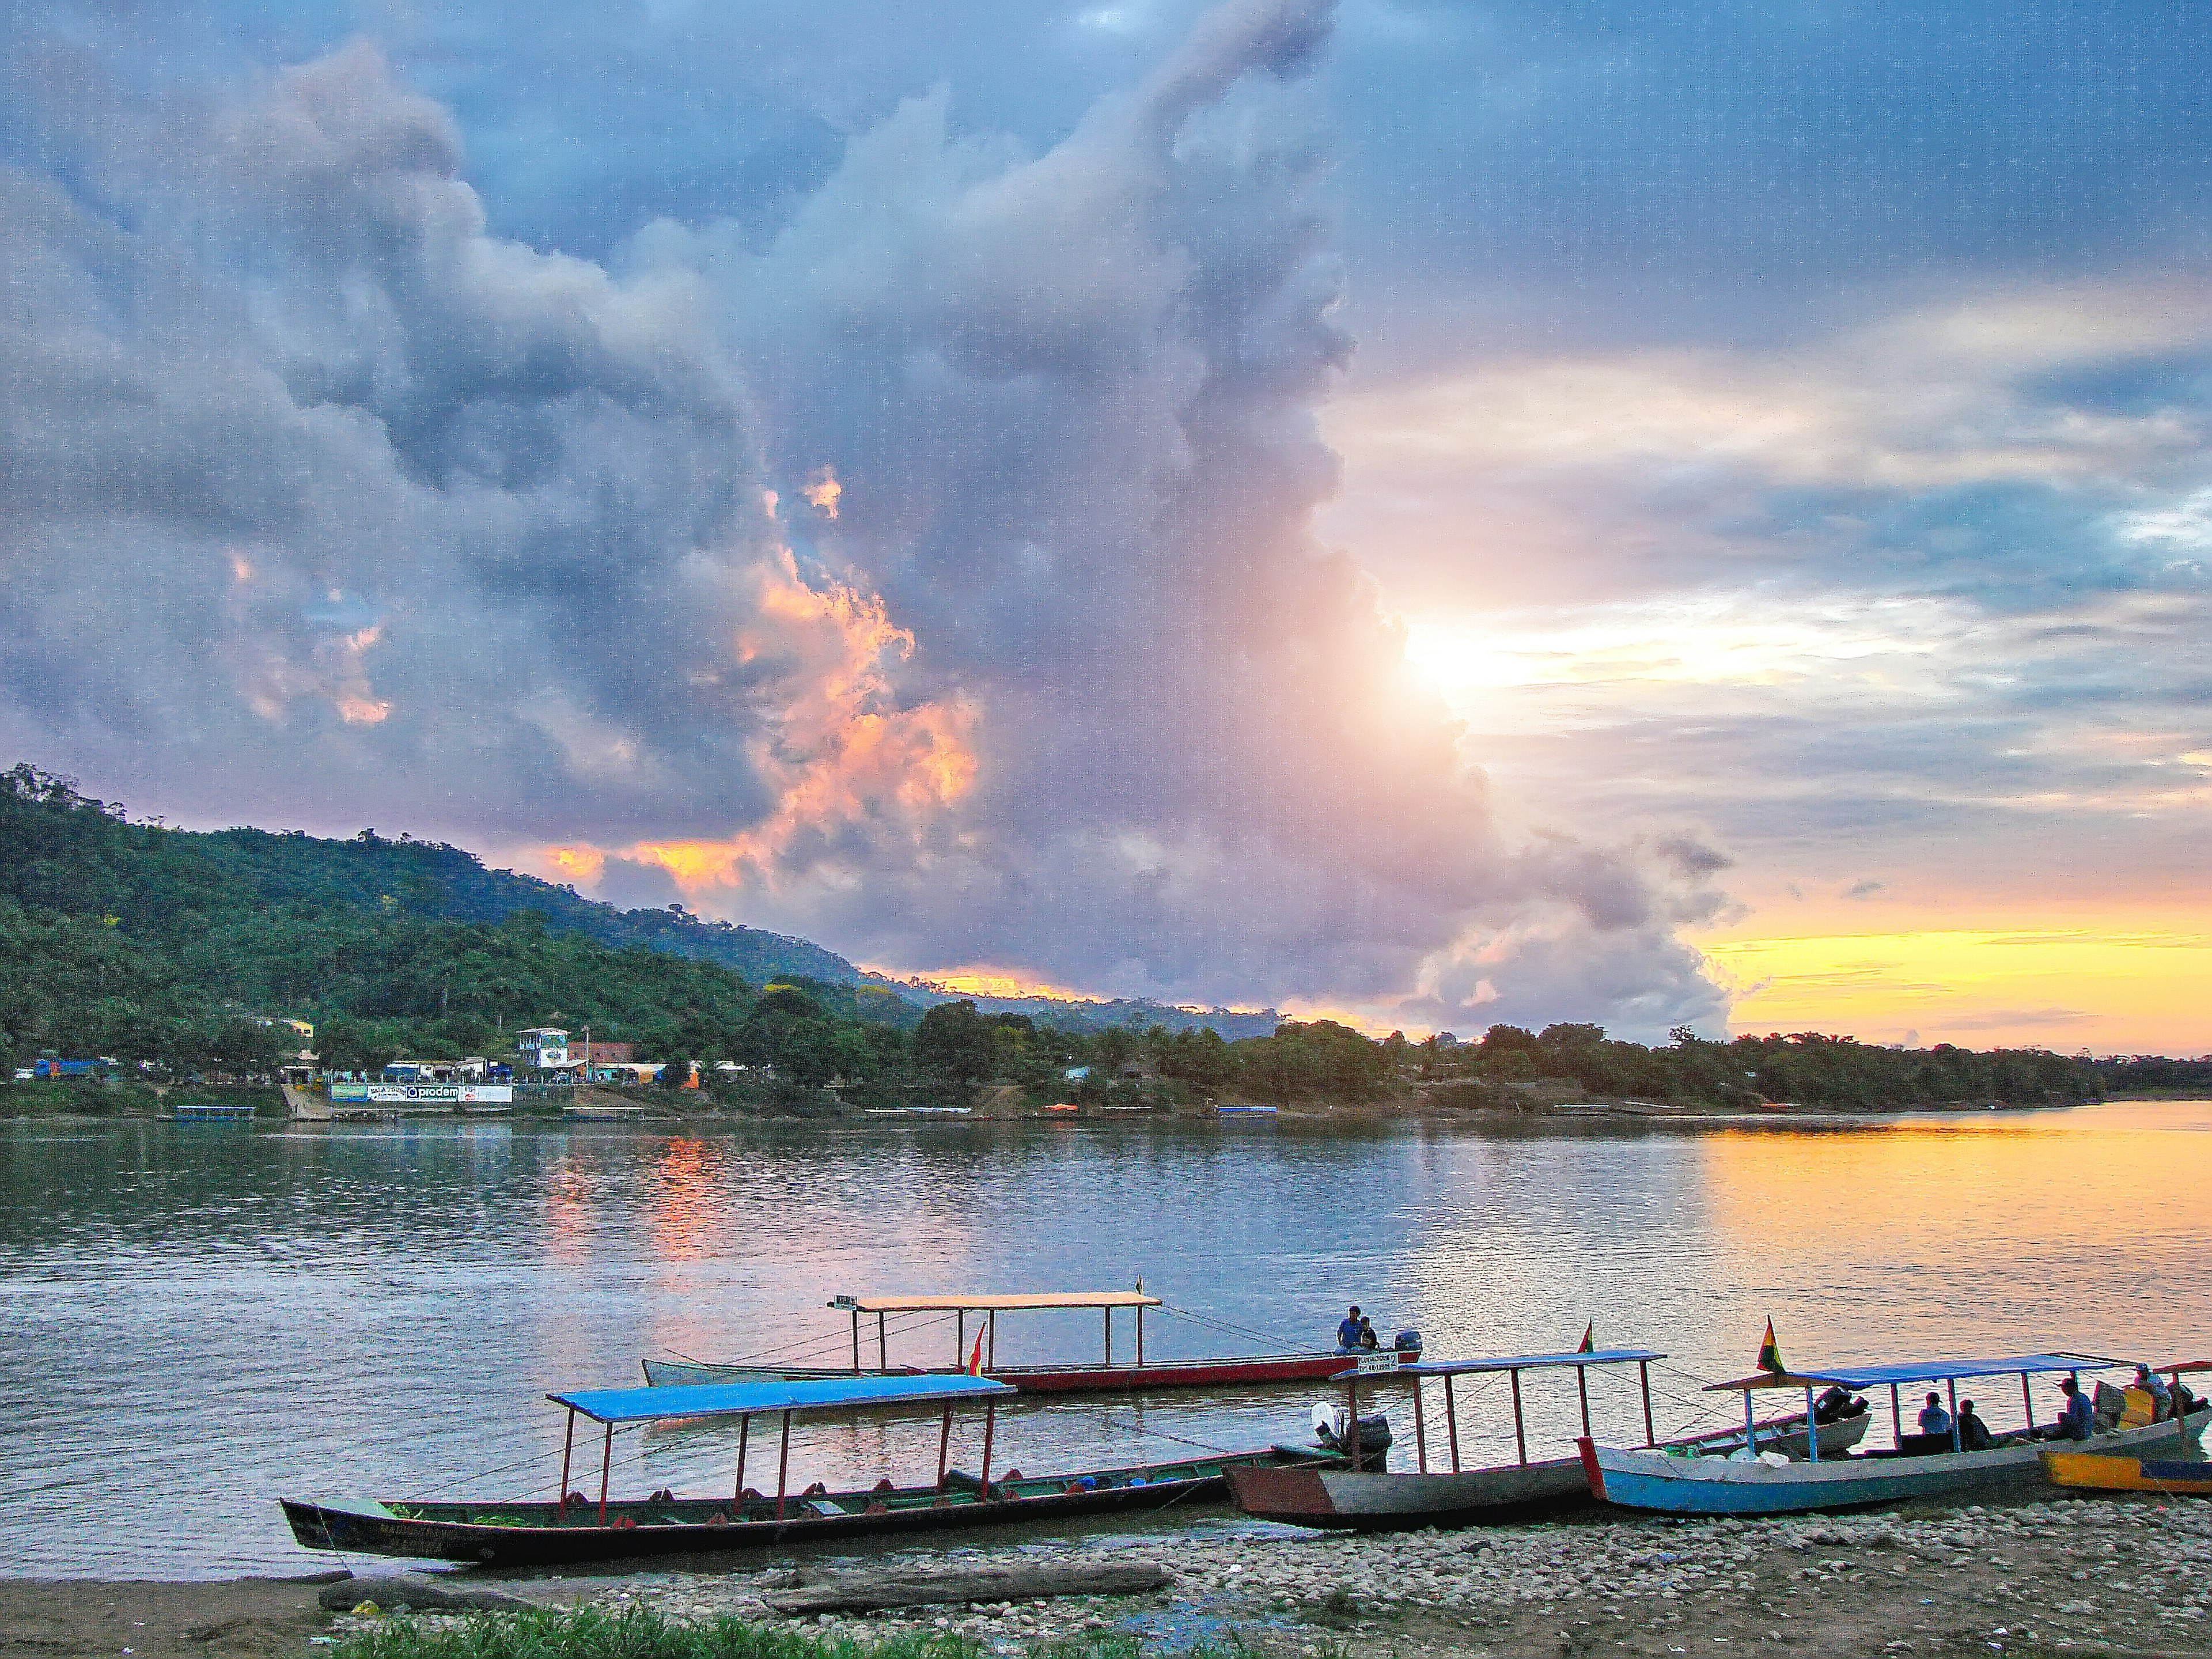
(990, 1422)
(606, 1467)
(1420, 1430)
(1582, 1389)
(856, 1342)
(944, 1445)
(883, 1346)
(1812, 1428)
(991, 1341)
(1451, 1422)
(1520, 1431)
(1109, 1336)
(783, 1467)
(744, 1432)
(1357, 1439)
(1952, 1383)
(1140, 1337)
(2027, 1400)
(960, 1338)
(1643, 1375)
(568, 1445)
(1896, 1416)
(1750, 1426)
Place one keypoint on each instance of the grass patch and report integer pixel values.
(639, 1632)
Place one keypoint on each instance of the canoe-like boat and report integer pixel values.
(2106, 1472)
(1369, 1500)
(1104, 1376)
(575, 1527)
(1656, 1481)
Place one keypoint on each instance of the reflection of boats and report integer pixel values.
(574, 1528)
(1651, 1480)
(1374, 1498)
(1103, 1377)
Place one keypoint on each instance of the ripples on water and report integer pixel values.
(201, 1317)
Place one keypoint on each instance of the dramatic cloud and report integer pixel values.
(934, 576)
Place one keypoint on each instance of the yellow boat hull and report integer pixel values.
(2101, 1472)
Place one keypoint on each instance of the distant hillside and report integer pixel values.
(1130, 1014)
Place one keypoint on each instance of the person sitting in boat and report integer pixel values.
(1347, 1331)
(1368, 1340)
(2077, 1421)
(2161, 1398)
(1934, 1419)
(1974, 1434)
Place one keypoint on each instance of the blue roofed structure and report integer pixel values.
(770, 1395)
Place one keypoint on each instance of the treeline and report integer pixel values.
(1805, 1068)
(2155, 1074)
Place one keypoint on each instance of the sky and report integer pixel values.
(1433, 515)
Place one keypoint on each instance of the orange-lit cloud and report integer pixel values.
(838, 749)
(823, 490)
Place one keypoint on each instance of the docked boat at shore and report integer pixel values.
(1103, 1376)
(1350, 1497)
(576, 1528)
(1671, 1484)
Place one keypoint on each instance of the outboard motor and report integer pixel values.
(1332, 1429)
(1409, 1342)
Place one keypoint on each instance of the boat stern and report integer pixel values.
(1296, 1496)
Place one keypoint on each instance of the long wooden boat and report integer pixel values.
(573, 1528)
(1658, 1481)
(1104, 1376)
(2107, 1471)
(1379, 1500)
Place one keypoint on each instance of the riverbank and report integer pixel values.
(2120, 1575)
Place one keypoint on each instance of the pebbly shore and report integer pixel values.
(2121, 1576)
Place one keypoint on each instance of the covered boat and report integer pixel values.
(1103, 1376)
(1376, 1499)
(1670, 1484)
(574, 1527)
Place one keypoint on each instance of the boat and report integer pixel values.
(1741, 1484)
(2106, 1472)
(1103, 1377)
(210, 1111)
(575, 1527)
(1375, 1499)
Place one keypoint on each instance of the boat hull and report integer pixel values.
(1376, 1500)
(2102, 1472)
(1055, 1379)
(1653, 1482)
(540, 1534)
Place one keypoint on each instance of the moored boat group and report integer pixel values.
(2121, 1438)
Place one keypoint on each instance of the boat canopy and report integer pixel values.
(756, 1398)
(2181, 1365)
(1526, 1362)
(892, 1304)
(1916, 1371)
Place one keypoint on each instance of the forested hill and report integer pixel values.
(60, 851)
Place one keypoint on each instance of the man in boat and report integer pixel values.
(1974, 1434)
(1347, 1330)
(1368, 1340)
(2077, 1421)
(1934, 1419)
(2162, 1399)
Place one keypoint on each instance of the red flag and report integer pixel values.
(1589, 1338)
(1770, 1352)
(975, 1359)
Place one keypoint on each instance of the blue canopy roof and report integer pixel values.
(1919, 1371)
(1524, 1362)
(746, 1399)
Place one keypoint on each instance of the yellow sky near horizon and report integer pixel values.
(2111, 989)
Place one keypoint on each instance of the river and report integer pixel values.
(201, 1317)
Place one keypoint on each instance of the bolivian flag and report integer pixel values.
(1770, 1352)
(1589, 1338)
(975, 1359)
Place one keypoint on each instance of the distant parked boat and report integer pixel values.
(210, 1111)
(1244, 1111)
(1671, 1485)
(1101, 1377)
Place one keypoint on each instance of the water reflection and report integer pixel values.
(220, 1312)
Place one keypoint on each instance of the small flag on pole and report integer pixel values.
(1589, 1338)
(1770, 1352)
(975, 1359)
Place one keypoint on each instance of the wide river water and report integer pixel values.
(198, 1318)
